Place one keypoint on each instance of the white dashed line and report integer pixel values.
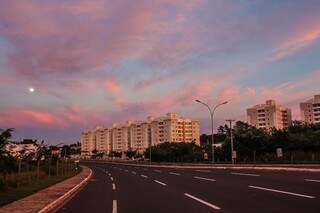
(163, 184)
(114, 208)
(113, 186)
(156, 170)
(134, 173)
(244, 174)
(202, 178)
(283, 192)
(202, 201)
(312, 180)
(145, 169)
(173, 173)
(144, 176)
(111, 178)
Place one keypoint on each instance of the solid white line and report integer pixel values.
(54, 204)
(114, 209)
(245, 174)
(202, 178)
(163, 184)
(157, 170)
(144, 176)
(134, 173)
(202, 201)
(283, 192)
(173, 173)
(113, 186)
(111, 178)
(203, 170)
(312, 180)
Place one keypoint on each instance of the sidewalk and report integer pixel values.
(50, 198)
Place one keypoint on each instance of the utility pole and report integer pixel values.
(231, 139)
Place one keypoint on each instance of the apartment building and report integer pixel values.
(139, 135)
(120, 138)
(88, 142)
(310, 110)
(269, 115)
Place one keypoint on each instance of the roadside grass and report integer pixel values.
(12, 194)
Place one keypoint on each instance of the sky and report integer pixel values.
(98, 62)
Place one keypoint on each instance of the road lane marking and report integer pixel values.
(113, 186)
(156, 170)
(111, 178)
(145, 169)
(244, 174)
(126, 170)
(114, 208)
(134, 173)
(283, 192)
(202, 201)
(109, 174)
(312, 180)
(173, 173)
(203, 170)
(144, 176)
(202, 178)
(163, 184)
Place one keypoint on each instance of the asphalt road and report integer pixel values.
(120, 188)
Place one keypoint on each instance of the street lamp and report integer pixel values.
(211, 115)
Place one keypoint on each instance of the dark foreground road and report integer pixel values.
(119, 188)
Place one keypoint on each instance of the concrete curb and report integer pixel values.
(240, 167)
(55, 205)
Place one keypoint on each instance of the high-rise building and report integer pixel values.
(139, 135)
(310, 110)
(88, 142)
(269, 115)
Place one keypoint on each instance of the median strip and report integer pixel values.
(203, 170)
(283, 192)
(202, 201)
(163, 184)
(312, 180)
(244, 174)
(202, 178)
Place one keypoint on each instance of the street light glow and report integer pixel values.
(31, 89)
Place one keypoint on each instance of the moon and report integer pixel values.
(31, 89)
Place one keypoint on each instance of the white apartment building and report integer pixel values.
(139, 135)
(310, 110)
(269, 115)
(88, 142)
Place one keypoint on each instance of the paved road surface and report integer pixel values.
(120, 188)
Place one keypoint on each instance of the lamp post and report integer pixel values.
(212, 110)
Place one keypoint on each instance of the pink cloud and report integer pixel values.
(112, 86)
(297, 41)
